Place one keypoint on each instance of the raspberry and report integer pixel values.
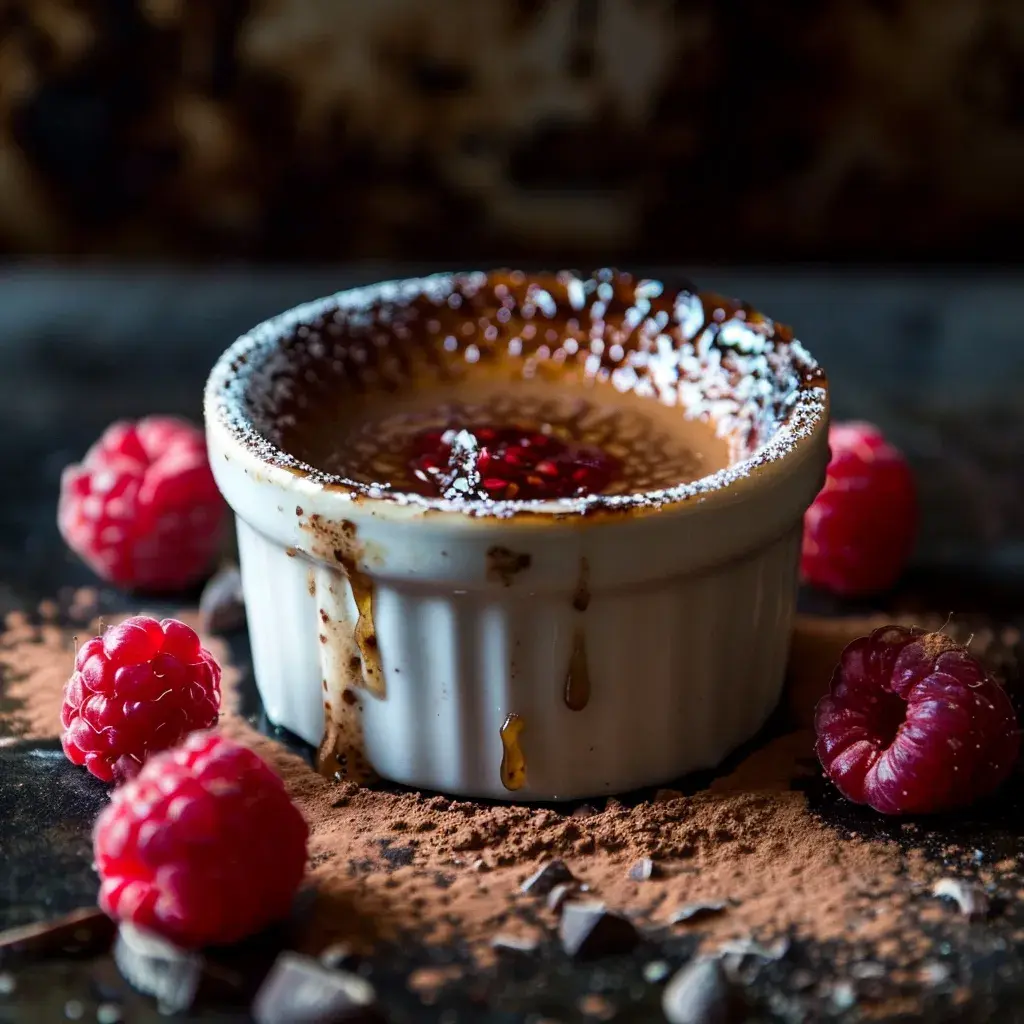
(511, 463)
(912, 724)
(860, 530)
(140, 688)
(142, 510)
(204, 847)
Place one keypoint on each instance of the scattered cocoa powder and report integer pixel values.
(35, 662)
(388, 865)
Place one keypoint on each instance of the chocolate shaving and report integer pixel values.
(299, 990)
(338, 955)
(970, 898)
(588, 931)
(158, 968)
(740, 953)
(843, 995)
(934, 973)
(546, 877)
(644, 870)
(514, 943)
(698, 993)
(561, 893)
(697, 911)
(82, 931)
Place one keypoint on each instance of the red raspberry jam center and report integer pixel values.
(506, 463)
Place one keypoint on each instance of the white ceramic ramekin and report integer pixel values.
(672, 621)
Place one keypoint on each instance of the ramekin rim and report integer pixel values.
(804, 420)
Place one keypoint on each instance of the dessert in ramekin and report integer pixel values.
(519, 536)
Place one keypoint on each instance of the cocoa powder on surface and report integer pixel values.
(388, 864)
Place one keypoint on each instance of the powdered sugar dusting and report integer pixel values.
(715, 359)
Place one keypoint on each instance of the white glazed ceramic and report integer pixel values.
(685, 628)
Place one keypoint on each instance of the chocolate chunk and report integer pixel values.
(560, 893)
(737, 954)
(843, 996)
(338, 954)
(801, 980)
(82, 931)
(546, 877)
(158, 968)
(221, 606)
(643, 870)
(655, 971)
(698, 994)
(867, 969)
(697, 911)
(588, 931)
(514, 944)
(299, 990)
(970, 898)
(934, 973)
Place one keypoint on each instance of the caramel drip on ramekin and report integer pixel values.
(513, 762)
(577, 679)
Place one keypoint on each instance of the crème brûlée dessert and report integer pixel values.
(510, 535)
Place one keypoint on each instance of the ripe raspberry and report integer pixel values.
(140, 688)
(205, 847)
(912, 724)
(860, 530)
(142, 509)
(512, 463)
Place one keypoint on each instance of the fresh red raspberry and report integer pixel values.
(204, 847)
(860, 530)
(142, 509)
(506, 463)
(141, 687)
(913, 724)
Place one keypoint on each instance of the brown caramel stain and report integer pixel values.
(311, 581)
(365, 631)
(513, 763)
(342, 751)
(577, 679)
(504, 565)
(327, 763)
(340, 754)
(581, 595)
(351, 658)
(337, 542)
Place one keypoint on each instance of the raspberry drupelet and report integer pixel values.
(513, 463)
(204, 847)
(140, 688)
(860, 530)
(913, 724)
(142, 509)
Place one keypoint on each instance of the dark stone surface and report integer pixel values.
(78, 350)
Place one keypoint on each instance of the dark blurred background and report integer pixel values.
(553, 130)
(173, 171)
